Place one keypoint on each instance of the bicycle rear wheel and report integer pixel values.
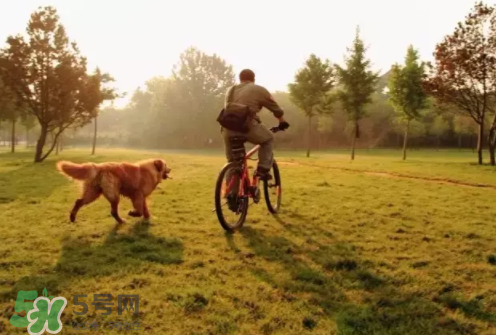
(231, 209)
(273, 190)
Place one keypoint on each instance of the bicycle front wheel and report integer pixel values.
(231, 208)
(273, 190)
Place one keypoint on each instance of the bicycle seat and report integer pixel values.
(238, 139)
(238, 148)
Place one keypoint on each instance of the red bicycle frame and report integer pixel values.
(245, 176)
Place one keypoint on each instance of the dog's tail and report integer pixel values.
(76, 171)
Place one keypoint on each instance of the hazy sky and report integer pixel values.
(136, 40)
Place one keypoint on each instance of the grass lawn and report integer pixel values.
(374, 246)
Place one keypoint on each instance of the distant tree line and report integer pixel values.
(45, 90)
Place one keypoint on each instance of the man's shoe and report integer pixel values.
(263, 174)
(232, 202)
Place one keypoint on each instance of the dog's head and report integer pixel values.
(162, 168)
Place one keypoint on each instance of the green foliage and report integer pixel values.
(406, 93)
(48, 76)
(29, 121)
(465, 125)
(325, 124)
(439, 126)
(180, 110)
(417, 128)
(357, 82)
(200, 83)
(8, 108)
(312, 86)
(311, 90)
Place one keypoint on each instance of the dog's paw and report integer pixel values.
(134, 214)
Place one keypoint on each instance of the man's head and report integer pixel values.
(247, 75)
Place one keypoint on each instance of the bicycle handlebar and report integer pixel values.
(284, 126)
(275, 129)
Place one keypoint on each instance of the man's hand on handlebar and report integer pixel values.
(283, 125)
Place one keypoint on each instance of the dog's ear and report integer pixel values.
(159, 165)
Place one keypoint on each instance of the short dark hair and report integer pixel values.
(247, 75)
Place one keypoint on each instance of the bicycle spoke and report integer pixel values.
(225, 203)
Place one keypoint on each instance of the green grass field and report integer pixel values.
(374, 246)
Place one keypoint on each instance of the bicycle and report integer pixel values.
(249, 188)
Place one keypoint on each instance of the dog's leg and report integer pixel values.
(138, 206)
(90, 194)
(77, 205)
(146, 212)
(115, 211)
(110, 189)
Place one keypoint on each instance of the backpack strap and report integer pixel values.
(230, 95)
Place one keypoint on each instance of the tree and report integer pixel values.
(464, 73)
(29, 122)
(49, 78)
(417, 129)
(357, 84)
(325, 125)
(438, 128)
(406, 94)
(9, 111)
(199, 84)
(105, 94)
(310, 90)
(464, 125)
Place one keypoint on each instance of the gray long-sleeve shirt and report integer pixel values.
(255, 96)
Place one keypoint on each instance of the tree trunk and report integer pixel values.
(27, 137)
(480, 138)
(353, 141)
(40, 144)
(491, 154)
(405, 139)
(309, 134)
(57, 148)
(61, 142)
(13, 137)
(54, 142)
(95, 132)
(491, 144)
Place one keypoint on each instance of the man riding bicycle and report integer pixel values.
(253, 98)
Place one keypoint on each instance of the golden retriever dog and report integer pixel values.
(135, 181)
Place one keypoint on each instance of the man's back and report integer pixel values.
(255, 96)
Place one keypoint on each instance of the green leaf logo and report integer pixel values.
(45, 292)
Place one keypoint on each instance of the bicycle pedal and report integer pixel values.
(256, 195)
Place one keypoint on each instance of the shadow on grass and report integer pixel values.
(120, 253)
(326, 273)
(24, 179)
